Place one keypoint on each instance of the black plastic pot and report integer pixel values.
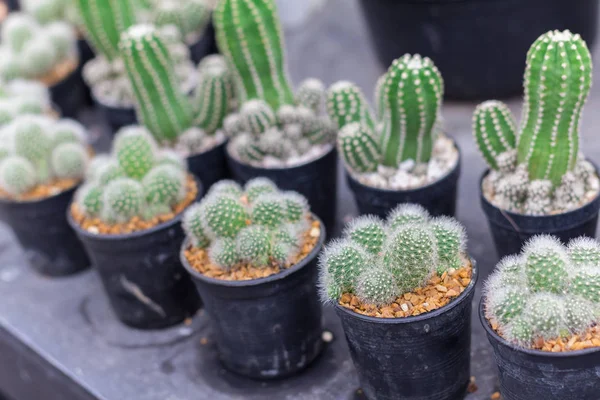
(69, 94)
(511, 231)
(426, 357)
(478, 45)
(41, 228)
(439, 198)
(531, 374)
(265, 328)
(142, 275)
(205, 46)
(209, 166)
(116, 117)
(316, 180)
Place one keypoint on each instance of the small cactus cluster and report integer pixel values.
(190, 17)
(272, 120)
(548, 291)
(20, 97)
(258, 224)
(36, 150)
(539, 170)
(409, 97)
(136, 180)
(32, 51)
(379, 261)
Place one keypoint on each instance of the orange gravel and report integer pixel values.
(135, 224)
(198, 259)
(42, 191)
(438, 292)
(60, 72)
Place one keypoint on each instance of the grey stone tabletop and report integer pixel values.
(66, 328)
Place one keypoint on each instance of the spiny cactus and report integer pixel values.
(359, 148)
(311, 94)
(380, 261)
(257, 117)
(17, 175)
(67, 131)
(69, 160)
(550, 291)
(188, 16)
(494, 128)
(346, 104)
(164, 184)
(250, 36)
(135, 150)
(161, 104)
(123, 199)
(258, 225)
(90, 197)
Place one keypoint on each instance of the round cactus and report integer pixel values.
(451, 239)
(108, 171)
(254, 245)
(257, 117)
(95, 165)
(258, 186)
(192, 139)
(248, 149)
(546, 264)
(511, 270)
(505, 303)
(223, 253)
(63, 38)
(376, 286)
(90, 198)
(344, 261)
(579, 314)
(135, 149)
(226, 186)
(31, 139)
(546, 314)
(584, 251)
(123, 199)
(268, 210)
(359, 148)
(288, 234)
(311, 94)
(67, 131)
(283, 252)
(170, 157)
(520, 331)
(586, 283)
(224, 216)
(407, 214)
(69, 160)
(346, 104)
(18, 29)
(368, 232)
(194, 229)
(17, 175)
(164, 184)
(295, 206)
(39, 57)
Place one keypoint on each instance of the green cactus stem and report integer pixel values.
(193, 226)
(368, 232)
(69, 160)
(123, 200)
(254, 245)
(17, 175)
(136, 152)
(346, 104)
(359, 148)
(224, 216)
(406, 214)
(494, 128)
(376, 286)
(546, 264)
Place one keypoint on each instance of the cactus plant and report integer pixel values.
(69, 160)
(123, 199)
(495, 130)
(380, 261)
(359, 148)
(164, 184)
(17, 175)
(188, 16)
(135, 150)
(257, 225)
(550, 291)
(346, 104)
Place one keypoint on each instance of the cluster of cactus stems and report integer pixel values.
(21, 97)
(36, 150)
(30, 50)
(272, 121)
(539, 169)
(136, 180)
(379, 261)
(548, 291)
(408, 96)
(257, 225)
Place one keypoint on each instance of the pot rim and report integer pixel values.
(423, 317)
(260, 281)
(292, 167)
(137, 234)
(457, 166)
(538, 353)
(5, 201)
(517, 215)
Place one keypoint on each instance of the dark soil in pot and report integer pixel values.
(116, 117)
(209, 166)
(425, 357)
(439, 198)
(69, 94)
(479, 46)
(532, 374)
(205, 46)
(269, 327)
(142, 274)
(511, 231)
(316, 180)
(41, 228)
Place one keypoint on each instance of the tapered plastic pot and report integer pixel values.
(69, 94)
(439, 198)
(316, 180)
(116, 117)
(142, 275)
(209, 166)
(265, 328)
(426, 357)
(478, 45)
(205, 45)
(511, 231)
(532, 374)
(41, 227)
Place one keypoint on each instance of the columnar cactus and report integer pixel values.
(346, 104)
(380, 261)
(359, 148)
(258, 225)
(495, 130)
(161, 105)
(250, 36)
(547, 292)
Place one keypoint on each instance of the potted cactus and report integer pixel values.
(402, 156)
(46, 53)
(252, 255)
(192, 126)
(541, 311)
(127, 214)
(19, 97)
(403, 289)
(276, 133)
(539, 182)
(42, 161)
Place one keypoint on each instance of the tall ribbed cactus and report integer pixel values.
(411, 98)
(558, 78)
(160, 103)
(494, 128)
(104, 21)
(249, 35)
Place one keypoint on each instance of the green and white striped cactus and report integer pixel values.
(161, 105)
(494, 128)
(250, 36)
(358, 147)
(346, 104)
